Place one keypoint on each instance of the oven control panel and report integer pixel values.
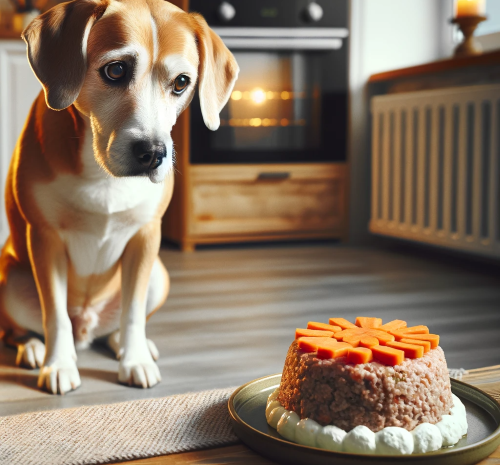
(273, 13)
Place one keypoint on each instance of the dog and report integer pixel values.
(92, 175)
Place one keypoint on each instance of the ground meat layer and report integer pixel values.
(375, 395)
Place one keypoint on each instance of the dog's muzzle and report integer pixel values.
(149, 154)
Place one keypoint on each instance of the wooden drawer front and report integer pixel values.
(267, 201)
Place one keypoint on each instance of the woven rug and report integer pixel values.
(117, 432)
(143, 428)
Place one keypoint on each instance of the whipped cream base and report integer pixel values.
(391, 440)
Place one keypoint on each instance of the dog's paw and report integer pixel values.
(114, 345)
(59, 377)
(31, 353)
(143, 374)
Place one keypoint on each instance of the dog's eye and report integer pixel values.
(180, 84)
(115, 71)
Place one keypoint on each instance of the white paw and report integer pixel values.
(31, 353)
(142, 373)
(59, 377)
(114, 345)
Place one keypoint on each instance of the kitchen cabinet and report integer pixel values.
(18, 89)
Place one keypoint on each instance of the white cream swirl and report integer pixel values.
(361, 440)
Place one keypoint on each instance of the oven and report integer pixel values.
(289, 104)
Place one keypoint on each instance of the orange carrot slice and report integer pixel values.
(432, 338)
(328, 350)
(300, 332)
(323, 327)
(425, 344)
(353, 340)
(388, 355)
(342, 322)
(393, 325)
(368, 342)
(369, 323)
(349, 332)
(383, 338)
(415, 330)
(359, 355)
(410, 350)
(310, 344)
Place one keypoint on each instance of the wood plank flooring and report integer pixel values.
(232, 313)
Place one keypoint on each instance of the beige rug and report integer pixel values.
(124, 431)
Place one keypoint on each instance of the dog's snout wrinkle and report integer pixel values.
(149, 154)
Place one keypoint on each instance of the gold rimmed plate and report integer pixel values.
(247, 407)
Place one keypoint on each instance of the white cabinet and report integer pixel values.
(18, 89)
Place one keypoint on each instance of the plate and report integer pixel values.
(247, 407)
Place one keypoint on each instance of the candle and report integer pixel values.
(470, 8)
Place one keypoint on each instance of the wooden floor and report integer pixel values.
(232, 313)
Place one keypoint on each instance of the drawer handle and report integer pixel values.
(276, 176)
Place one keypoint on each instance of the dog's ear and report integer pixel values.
(218, 72)
(57, 49)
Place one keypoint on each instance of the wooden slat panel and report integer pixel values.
(385, 175)
(477, 175)
(447, 168)
(397, 190)
(421, 168)
(462, 170)
(410, 137)
(375, 166)
(434, 170)
(494, 181)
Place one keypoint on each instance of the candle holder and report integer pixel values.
(468, 25)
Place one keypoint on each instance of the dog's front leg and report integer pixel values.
(137, 366)
(49, 263)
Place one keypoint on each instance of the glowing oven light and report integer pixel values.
(236, 95)
(258, 96)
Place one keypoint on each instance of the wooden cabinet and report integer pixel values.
(18, 89)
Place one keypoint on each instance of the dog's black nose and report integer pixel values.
(149, 154)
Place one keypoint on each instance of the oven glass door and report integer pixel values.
(286, 106)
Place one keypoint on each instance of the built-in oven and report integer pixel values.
(289, 103)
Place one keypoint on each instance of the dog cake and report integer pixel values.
(368, 388)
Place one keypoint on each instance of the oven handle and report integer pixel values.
(273, 176)
(248, 38)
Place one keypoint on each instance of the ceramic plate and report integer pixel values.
(247, 408)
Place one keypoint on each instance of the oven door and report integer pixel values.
(289, 104)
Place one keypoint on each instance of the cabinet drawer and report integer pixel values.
(267, 199)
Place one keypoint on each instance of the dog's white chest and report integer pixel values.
(96, 218)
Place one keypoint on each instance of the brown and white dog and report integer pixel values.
(91, 177)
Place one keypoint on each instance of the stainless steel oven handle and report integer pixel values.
(268, 43)
(282, 32)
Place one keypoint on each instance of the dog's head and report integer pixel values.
(131, 67)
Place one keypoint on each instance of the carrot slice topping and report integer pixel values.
(388, 355)
(300, 332)
(327, 350)
(353, 340)
(393, 325)
(368, 341)
(349, 333)
(359, 355)
(369, 323)
(410, 350)
(425, 344)
(415, 330)
(432, 338)
(323, 327)
(342, 322)
(383, 338)
(388, 344)
(311, 344)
